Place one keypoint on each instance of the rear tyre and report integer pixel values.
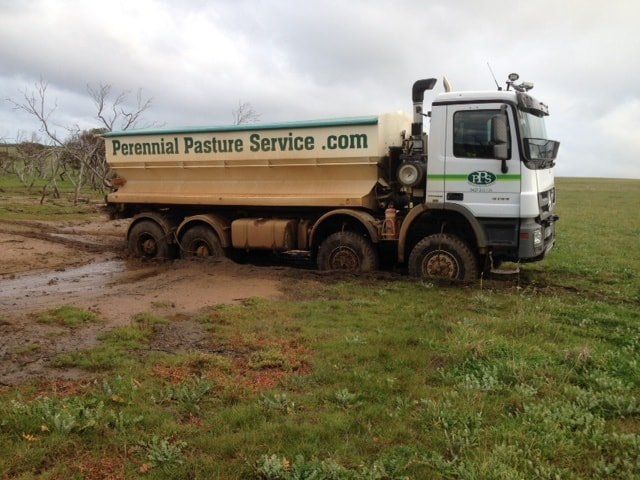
(200, 241)
(443, 256)
(347, 251)
(148, 240)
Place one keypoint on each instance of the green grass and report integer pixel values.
(17, 202)
(149, 319)
(115, 351)
(597, 249)
(67, 316)
(375, 379)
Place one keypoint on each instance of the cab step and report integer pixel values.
(505, 271)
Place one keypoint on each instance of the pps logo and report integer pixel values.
(481, 177)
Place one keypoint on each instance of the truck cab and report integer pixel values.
(488, 193)
(488, 153)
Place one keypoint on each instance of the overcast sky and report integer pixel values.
(304, 60)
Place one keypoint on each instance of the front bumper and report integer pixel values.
(537, 238)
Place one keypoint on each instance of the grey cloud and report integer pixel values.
(320, 59)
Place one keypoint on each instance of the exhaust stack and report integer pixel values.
(417, 95)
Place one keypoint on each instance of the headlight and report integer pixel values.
(537, 236)
(410, 174)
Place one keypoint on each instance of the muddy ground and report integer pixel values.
(44, 265)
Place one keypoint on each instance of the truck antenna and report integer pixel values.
(494, 77)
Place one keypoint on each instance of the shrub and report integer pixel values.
(278, 402)
(163, 453)
(187, 395)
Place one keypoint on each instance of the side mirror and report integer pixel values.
(540, 149)
(500, 139)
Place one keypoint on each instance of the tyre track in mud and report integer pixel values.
(62, 236)
(68, 242)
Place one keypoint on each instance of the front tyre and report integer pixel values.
(443, 256)
(347, 251)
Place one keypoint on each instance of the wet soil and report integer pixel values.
(44, 265)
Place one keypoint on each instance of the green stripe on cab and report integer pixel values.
(463, 177)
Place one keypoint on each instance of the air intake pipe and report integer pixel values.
(417, 95)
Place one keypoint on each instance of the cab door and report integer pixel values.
(473, 176)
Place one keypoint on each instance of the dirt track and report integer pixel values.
(44, 265)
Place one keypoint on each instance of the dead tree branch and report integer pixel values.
(244, 114)
(78, 156)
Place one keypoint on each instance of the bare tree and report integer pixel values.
(34, 102)
(79, 155)
(28, 160)
(10, 161)
(114, 110)
(245, 113)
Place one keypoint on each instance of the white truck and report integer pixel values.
(476, 190)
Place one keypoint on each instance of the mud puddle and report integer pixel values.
(119, 288)
(86, 278)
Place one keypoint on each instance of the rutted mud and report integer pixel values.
(27, 290)
(45, 265)
(29, 246)
(117, 289)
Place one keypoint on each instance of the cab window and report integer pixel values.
(472, 133)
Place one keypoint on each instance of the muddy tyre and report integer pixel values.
(200, 241)
(443, 256)
(148, 240)
(347, 251)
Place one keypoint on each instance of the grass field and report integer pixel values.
(370, 379)
(18, 203)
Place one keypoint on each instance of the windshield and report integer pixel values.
(531, 125)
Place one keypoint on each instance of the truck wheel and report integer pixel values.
(347, 251)
(148, 240)
(443, 256)
(200, 241)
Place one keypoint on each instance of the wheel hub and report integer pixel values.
(149, 246)
(440, 264)
(202, 250)
(344, 258)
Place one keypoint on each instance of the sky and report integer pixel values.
(320, 59)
